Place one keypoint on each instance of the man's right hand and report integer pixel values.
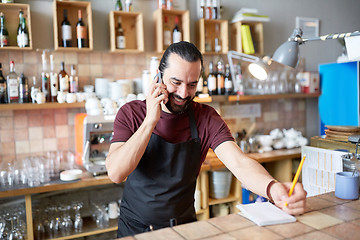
(157, 93)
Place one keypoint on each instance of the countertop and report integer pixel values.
(325, 217)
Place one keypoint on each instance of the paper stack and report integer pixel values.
(249, 14)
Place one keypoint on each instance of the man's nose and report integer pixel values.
(182, 91)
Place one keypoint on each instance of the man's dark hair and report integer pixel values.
(185, 50)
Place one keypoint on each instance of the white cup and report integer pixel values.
(80, 96)
(101, 87)
(88, 88)
(70, 97)
(61, 97)
(40, 97)
(113, 210)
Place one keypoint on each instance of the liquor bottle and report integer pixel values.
(129, 6)
(200, 85)
(120, 38)
(214, 10)
(54, 83)
(118, 6)
(22, 32)
(169, 5)
(208, 9)
(66, 33)
(162, 4)
(74, 80)
(167, 33)
(63, 79)
(81, 31)
(239, 80)
(220, 78)
(177, 36)
(211, 80)
(229, 89)
(13, 85)
(4, 35)
(35, 88)
(3, 87)
(202, 9)
(45, 79)
(217, 39)
(24, 96)
(205, 84)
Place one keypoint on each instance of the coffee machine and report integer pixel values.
(93, 135)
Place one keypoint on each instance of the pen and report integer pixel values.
(296, 177)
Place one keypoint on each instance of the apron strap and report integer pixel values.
(193, 128)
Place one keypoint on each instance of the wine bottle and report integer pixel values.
(74, 80)
(120, 38)
(22, 32)
(211, 80)
(81, 31)
(66, 33)
(167, 33)
(208, 9)
(214, 12)
(3, 87)
(129, 6)
(54, 83)
(45, 79)
(217, 39)
(4, 35)
(202, 9)
(169, 5)
(205, 84)
(220, 78)
(13, 85)
(228, 81)
(162, 4)
(239, 80)
(63, 79)
(177, 36)
(24, 96)
(118, 6)
(200, 86)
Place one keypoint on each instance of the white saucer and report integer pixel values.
(71, 175)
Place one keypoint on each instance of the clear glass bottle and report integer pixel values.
(217, 39)
(167, 33)
(63, 79)
(3, 87)
(74, 80)
(202, 9)
(220, 78)
(13, 85)
(214, 10)
(169, 5)
(54, 83)
(4, 35)
(120, 37)
(45, 78)
(22, 32)
(35, 88)
(229, 89)
(211, 80)
(129, 6)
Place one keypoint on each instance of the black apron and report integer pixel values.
(162, 185)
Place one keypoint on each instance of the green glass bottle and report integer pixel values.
(22, 32)
(4, 35)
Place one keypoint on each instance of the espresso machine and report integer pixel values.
(93, 136)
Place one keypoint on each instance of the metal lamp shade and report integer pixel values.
(287, 54)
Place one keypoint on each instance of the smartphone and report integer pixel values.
(160, 76)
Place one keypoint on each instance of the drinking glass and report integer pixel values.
(78, 221)
(15, 233)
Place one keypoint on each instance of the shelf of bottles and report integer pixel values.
(256, 29)
(175, 21)
(15, 30)
(126, 32)
(73, 29)
(212, 36)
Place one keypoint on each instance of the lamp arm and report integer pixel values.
(332, 36)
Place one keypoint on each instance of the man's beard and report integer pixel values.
(177, 109)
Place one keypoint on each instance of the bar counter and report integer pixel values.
(325, 217)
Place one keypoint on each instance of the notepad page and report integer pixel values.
(265, 213)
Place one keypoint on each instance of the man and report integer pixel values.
(159, 145)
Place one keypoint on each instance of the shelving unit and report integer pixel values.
(132, 24)
(72, 8)
(31, 106)
(257, 35)
(207, 31)
(184, 25)
(11, 12)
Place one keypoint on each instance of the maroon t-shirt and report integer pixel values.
(174, 128)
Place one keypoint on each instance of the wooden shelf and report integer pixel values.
(257, 35)
(31, 106)
(88, 229)
(72, 7)
(184, 25)
(132, 24)
(231, 198)
(209, 30)
(11, 12)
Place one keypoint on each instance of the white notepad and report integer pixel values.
(264, 213)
